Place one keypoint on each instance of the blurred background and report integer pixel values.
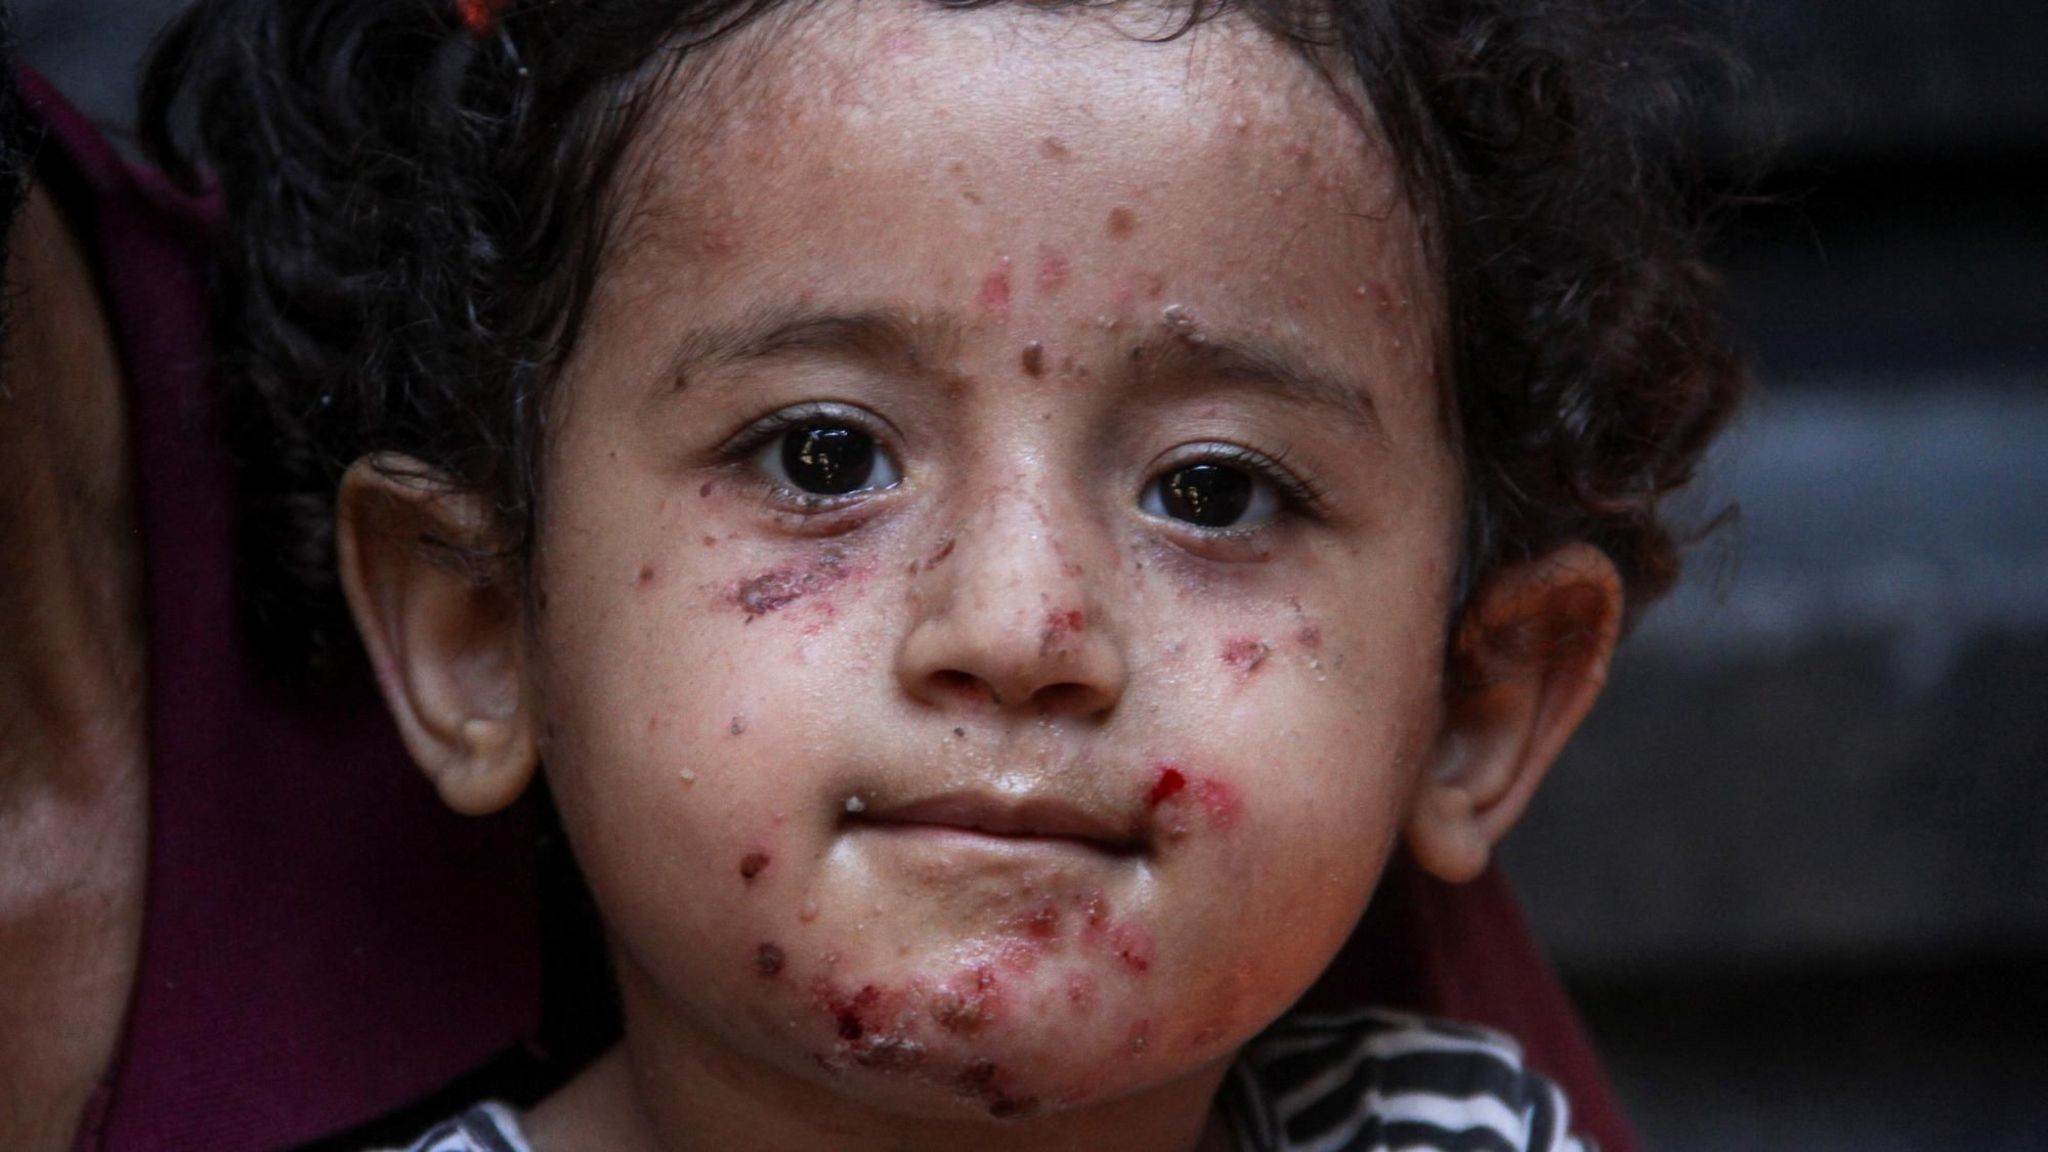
(1795, 869)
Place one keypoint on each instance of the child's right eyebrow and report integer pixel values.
(877, 336)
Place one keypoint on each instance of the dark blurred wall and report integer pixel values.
(1796, 866)
(91, 49)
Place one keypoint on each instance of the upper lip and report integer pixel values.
(1013, 817)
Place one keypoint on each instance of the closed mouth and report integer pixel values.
(1009, 818)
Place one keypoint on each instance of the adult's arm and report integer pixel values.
(73, 782)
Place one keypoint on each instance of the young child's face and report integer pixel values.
(996, 549)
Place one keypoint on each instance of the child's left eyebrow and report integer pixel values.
(1166, 356)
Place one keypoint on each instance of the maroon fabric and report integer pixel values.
(1464, 952)
(322, 941)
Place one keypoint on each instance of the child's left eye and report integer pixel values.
(1224, 489)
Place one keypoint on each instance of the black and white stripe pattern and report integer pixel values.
(488, 1127)
(1374, 1081)
(1365, 1081)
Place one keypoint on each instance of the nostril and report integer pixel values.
(952, 682)
(1068, 699)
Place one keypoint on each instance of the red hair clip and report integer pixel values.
(479, 15)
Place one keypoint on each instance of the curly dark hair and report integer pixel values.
(417, 192)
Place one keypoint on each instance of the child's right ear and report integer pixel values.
(439, 618)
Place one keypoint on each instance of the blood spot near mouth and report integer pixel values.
(1217, 799)
(1169, 783)
(768, 960)
(1032, 359)
(752, 865)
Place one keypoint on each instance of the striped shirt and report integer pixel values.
(1377, 1081)
(1364, 1081)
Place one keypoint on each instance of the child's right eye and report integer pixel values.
(819, 456)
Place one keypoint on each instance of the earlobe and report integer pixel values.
(439, 618)
(1529, 660)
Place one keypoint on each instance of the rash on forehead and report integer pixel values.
(760, 103)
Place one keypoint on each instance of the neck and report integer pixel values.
(73, 813)
(666, 1089)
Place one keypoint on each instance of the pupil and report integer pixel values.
(1209, 495)
(829, 460)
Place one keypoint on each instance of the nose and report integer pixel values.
(1006, 617)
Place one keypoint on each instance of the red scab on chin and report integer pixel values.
(984, 1081)
(752, 865)
(1244, 654)
(1081, 991)
(967, 1004)
(1139, 1039)
(1132, 946)
(873, 1030)
(1041, 923)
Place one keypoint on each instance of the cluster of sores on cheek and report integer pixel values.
(927, 1029)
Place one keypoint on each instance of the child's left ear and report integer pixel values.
(1529, 660)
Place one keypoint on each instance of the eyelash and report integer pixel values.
(738, 452)
(1298, 494)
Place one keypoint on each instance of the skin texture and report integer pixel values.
(73, 770)
(990, 807)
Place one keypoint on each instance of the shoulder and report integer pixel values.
(488, 1127)
(1370, 1079)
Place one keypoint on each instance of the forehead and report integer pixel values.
(903, 153)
